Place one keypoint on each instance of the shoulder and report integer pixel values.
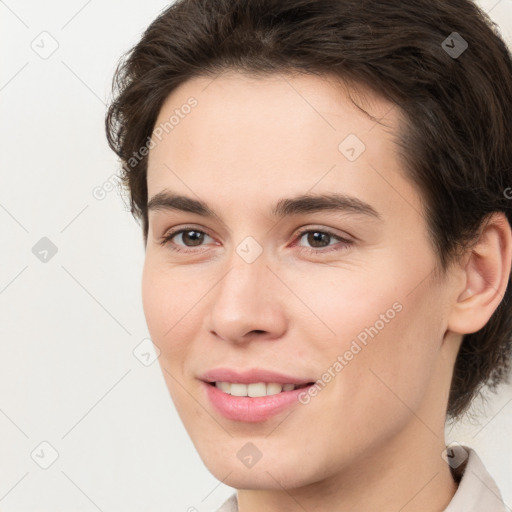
(477, 490)
(230, 505)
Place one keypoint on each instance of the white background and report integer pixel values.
(68, 327)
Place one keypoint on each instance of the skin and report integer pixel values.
(372, 438)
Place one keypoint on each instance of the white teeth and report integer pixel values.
(254, 390)
(223, 386)
(274, 389)
(238, 390)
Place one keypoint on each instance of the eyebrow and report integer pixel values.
(305, 203)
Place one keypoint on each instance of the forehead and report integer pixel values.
(242, 104)
(255, 136)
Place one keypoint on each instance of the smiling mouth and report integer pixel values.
(256, 389)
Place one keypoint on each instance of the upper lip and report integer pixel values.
(251, 376)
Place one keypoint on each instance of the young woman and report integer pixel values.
(324, 190)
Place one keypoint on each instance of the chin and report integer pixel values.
(273, 471)
(258, 477)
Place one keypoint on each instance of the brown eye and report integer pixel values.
(190, 237)
(318, 238)
(193, 236)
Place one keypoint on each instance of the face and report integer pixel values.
(267, 285)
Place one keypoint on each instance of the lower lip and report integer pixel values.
(248, 409)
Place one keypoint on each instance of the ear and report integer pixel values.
(486, 275)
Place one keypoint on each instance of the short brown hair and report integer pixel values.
(456, 137)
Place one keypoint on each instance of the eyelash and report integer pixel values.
(165, 240)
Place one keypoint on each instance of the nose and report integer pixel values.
(248, 302)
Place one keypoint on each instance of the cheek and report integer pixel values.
(172, 309)
(162, 302)
(342, 305)
(376, 331)
(164, 295)
(392, 372)
(154, 300)
(162, 306)
(381, 380)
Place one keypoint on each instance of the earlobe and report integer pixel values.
(487, 274)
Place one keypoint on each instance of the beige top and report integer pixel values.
(477, 490)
